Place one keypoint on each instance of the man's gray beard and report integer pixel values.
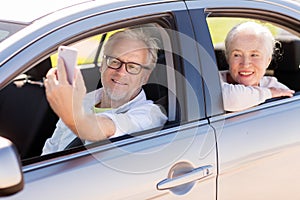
(114, 96)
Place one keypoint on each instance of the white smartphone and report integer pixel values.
(69, 56)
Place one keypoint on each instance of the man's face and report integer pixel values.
(120, 86)
(248, 59)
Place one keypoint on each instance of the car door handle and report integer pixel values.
(194, 175)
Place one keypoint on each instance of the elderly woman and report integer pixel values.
(249, 49)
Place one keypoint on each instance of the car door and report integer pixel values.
(175, 162)
(258, 147)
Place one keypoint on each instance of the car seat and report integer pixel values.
(288, 70)
(25, 115)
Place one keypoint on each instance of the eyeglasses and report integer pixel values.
(131, 67)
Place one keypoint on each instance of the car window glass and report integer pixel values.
(285, 63)
(87, 49)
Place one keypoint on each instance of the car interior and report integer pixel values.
(288, 69)
(28, 120)
(25, 112)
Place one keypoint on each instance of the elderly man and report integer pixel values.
(119, 107)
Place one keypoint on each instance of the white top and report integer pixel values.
(136, 115)
(238, 97)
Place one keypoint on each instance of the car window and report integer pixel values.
(285, 62)
(87, 50)
(39, 120)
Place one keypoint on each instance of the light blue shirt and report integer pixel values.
(136, 115)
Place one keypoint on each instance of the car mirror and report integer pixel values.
(11, 176)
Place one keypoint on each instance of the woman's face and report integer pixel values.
(248, 58)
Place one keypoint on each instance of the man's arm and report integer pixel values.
(66, 101)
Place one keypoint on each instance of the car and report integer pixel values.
(202, 152)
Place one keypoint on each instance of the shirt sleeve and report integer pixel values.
(270, 81)
(139, 118)
(61, 137)
(239, 97)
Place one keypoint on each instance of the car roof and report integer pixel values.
(27, 11)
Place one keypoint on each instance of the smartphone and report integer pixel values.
(69, 56)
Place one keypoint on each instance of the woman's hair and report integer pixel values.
(251, 28)
(138, 35)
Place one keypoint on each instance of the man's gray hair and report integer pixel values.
(135, 34)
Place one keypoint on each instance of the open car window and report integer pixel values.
(285, 62)
(41, 121)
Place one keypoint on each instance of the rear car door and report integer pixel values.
(175, 162)
(258, 147)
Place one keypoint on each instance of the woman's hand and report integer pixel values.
(279, 92)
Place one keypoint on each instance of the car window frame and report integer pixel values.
(109, 27)
(262, 15)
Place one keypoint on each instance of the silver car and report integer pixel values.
(202, 152)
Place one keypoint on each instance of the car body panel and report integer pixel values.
(136, 165)
(258, 161)
(257, 146)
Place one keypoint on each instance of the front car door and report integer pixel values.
(175, 162)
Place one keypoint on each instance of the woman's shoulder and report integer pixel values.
(271, 81)
(223, 75)
(267, 81)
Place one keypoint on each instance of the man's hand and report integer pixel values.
(65, 99)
